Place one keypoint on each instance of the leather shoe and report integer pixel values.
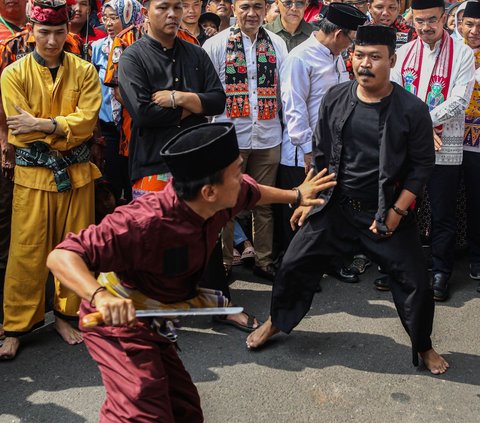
(344, 275)
(359, 264)
(440, 286)
(267, 272)
(475, 272)
(382, 283)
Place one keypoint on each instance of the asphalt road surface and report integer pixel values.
(349, 360)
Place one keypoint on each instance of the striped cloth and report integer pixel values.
(163, 326)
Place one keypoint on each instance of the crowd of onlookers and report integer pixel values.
(258, 93)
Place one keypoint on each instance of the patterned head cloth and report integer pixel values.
(49, 12)
(129, 11)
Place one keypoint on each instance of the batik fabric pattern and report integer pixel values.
(236, 77)
(471, 140)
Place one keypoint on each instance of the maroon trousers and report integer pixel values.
(144, 378)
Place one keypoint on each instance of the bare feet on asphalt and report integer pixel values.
(257, 338)
(9, 349)
(69, 334)
(434, 362)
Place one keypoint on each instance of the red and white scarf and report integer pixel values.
(439, 84)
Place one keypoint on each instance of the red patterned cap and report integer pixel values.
(49, 12)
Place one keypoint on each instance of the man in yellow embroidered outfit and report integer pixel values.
(51, 99)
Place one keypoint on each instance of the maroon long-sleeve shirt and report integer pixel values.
(157, 244)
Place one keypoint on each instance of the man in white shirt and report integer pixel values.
(310, 70)
(440, 71)
(248, 60)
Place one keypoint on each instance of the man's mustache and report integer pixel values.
(365, 72)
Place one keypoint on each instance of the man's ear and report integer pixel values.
(393, 60)
(209, 193)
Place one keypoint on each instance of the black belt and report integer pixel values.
(357, 204)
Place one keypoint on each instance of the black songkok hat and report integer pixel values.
(201, 151)
(472, 10)
(374, 35)
(427, 4)
(345, 16)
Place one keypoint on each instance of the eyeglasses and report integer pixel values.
(350, 38)
(429, 21)
(298, 4)
(111, 18)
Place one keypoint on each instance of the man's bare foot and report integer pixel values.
(434, 362)
(257, 338)
(9, 349)
(2, 332)
(69, 334)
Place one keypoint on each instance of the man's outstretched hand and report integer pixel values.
(312, 185)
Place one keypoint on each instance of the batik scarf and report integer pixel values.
(236, 77)
(439, 84)
(130, 13)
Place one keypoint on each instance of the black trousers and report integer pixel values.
(288, 177)
(442, 191)
(116, 166)
(471, 173)
(336, 231)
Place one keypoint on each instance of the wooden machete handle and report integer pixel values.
(91, 320)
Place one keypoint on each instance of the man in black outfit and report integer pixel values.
(377, 139)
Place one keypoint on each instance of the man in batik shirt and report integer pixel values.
(471, 142)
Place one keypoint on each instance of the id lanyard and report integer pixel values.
(7, 25)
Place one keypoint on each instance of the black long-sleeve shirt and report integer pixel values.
(406, 148)
(146, 67)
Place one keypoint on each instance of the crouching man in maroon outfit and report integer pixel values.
(158, 245)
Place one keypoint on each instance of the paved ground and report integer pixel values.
(349, 360)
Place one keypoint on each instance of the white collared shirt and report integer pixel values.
(450, 113)
(252, 133)
(310, 70)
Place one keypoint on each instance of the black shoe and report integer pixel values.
(267, 272)
(344, 275)
(382, 283)
(475, 272)
(440, 286)
(359, 264)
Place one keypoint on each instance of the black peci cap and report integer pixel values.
(472, 10)
(427, 4)
(345, 16)
(201, 151)
(376, 35)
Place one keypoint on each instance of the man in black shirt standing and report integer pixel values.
(376, 138)
(167, 85)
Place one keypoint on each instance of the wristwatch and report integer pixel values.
(399, 211)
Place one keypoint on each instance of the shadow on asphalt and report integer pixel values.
(45, 363)
(304, 349)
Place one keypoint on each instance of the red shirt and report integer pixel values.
(157, 244)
